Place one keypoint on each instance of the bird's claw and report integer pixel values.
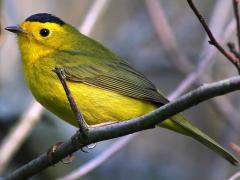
(76, 141)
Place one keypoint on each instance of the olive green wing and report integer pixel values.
(111, 74)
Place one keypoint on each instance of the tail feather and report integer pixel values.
(179, 124)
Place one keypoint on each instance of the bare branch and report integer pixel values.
(204, 62)
(229, 112)
(127, 127)
(169, 42)
(212, 40)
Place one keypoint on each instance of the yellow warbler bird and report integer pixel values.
(105, 87)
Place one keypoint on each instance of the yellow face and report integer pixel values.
(40, 39)
(43, 33)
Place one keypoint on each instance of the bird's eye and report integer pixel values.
(44, 32)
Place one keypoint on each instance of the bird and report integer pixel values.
(106, 88)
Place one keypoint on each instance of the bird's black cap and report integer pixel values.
(45, 17)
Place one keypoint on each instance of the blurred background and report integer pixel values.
(164, 40)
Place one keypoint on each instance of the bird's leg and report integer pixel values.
(83, 128)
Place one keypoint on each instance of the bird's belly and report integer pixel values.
(96, 105)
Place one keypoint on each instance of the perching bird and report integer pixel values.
(105, 87)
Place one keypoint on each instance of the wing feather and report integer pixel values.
(113, 75)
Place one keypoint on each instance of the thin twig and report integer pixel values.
(223, 104)
(212, 40)
(205, 58)
(204, 62)
(79, 117)
(127, 127)
(164, 30)
(230, 119)
(216, 24)
(236, 13)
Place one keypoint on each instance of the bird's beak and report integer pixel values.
(16, 29)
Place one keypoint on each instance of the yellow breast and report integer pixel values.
(97, 105)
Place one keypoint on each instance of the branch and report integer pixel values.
(205, 62)
(212, 40)
(127, 127)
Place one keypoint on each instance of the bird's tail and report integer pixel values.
(179, 124)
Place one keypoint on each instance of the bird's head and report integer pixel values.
(44, 33)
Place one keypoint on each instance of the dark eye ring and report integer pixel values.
(44, 32)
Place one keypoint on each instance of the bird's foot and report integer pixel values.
(51, 151)
(76, 140)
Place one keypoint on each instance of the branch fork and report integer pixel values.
(232, 55)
